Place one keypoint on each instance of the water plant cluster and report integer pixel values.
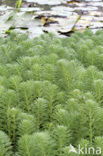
(51, 94)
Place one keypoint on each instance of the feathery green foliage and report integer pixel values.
(51, 94)
(5, 145)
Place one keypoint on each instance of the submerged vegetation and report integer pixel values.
(51, 94)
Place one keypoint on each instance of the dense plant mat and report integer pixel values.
(51, 94)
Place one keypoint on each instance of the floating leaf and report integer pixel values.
(63, 9)
(47, 2)
(87, 8)
(30, 10)
(96, 4)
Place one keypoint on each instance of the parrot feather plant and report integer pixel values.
(51, 94)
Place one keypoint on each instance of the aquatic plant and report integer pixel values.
(51, 94)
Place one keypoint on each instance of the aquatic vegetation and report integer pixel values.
(18, 3)
(51, 94)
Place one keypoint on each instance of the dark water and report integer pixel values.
(8, 2)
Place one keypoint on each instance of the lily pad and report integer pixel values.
(19, 21)
(96, 25)
(47, 2)
(96, 4)
(5, 8)
(63, 26)
(31, 9)
(82, 24)
(95, 13)
(93, 0)
(55, 14)
(87, 8)
(63, 9)
(3, 25)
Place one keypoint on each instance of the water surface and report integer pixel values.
(8, 2)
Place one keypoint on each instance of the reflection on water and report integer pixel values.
(8, 2)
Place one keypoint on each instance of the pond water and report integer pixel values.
(12, 3)
(61, 17)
